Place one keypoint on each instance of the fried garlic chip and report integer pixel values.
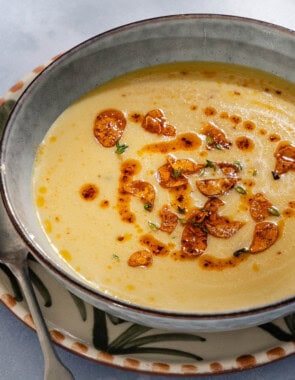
(215, 187)
(142, 258)
(285, 159)
(193, 239)
(222, 227)
(215, 137)
(108, 127)
(169, 220)
(155, 122)
(142, 190)
(259, 207)
(184, 165)
(265, 235)
(168, 177)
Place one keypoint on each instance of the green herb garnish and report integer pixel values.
(209, 164)
(182, 220)
(254, 173)
(204, 229)
(153, 226)
(147, 206)
(241, 251)
(116, 257)
(176, 173)
(218, 146)
(238, 165)
(273, 211)
(209, 140)
(181, 210)
(275, 175)
(240, 190)
(120, 148)
(202, 171)
(195, 224)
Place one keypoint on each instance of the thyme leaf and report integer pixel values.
(202, 171)
(218, 146)
(120, 148)
(181, 210)
(153, 226)
(210, 164)
(241, 251)
(209, 140)
(238, 165)
(147, 206)
(240, 190)
(273, 211)
(176, 173)
(275, 175)
(195, 224)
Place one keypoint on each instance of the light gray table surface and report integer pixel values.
(33, 31)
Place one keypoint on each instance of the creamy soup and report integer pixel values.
(173, 187)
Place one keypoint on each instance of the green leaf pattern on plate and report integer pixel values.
(17, 294)
(99, 331)
(131, 340)
(278, 332)
(80, 306)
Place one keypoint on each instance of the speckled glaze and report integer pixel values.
(162, 40)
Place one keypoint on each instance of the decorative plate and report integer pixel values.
(95, 335)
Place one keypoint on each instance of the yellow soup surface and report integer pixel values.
(172, 187)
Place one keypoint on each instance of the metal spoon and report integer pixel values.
(14, 254)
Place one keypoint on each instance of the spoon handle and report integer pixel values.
(54, 369)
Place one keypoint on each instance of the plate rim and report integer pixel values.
(13, 94)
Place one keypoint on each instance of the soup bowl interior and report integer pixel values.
(171, 39)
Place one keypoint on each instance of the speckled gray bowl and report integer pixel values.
(169, 39)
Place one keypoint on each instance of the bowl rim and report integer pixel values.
(69, 279)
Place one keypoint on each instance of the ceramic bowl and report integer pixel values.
(162, 40)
